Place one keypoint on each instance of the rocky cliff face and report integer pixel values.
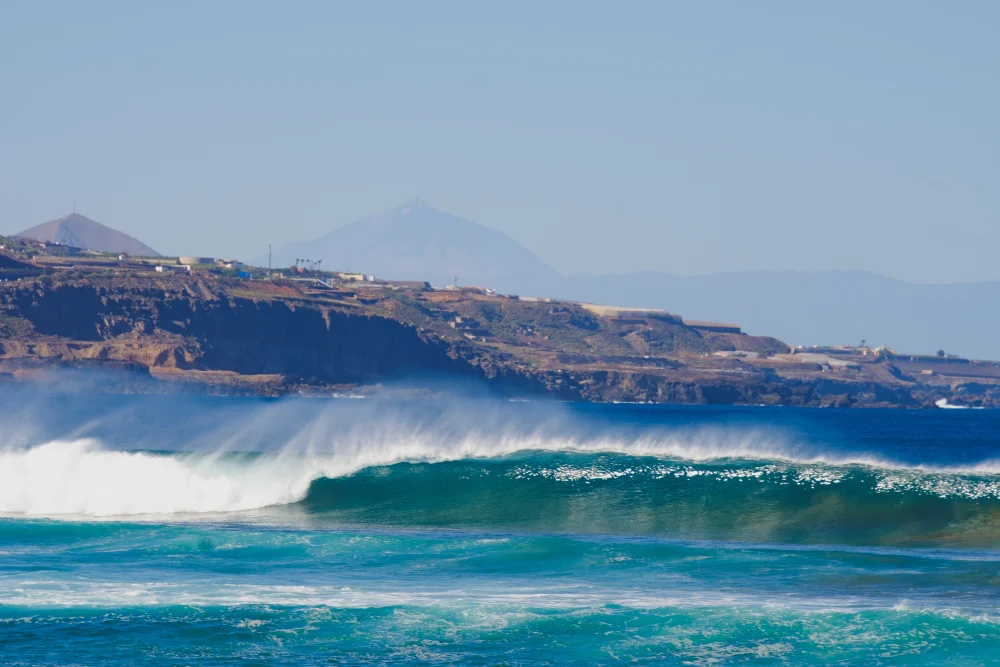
(188, 326)
(271, 338)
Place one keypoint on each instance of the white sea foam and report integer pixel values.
(80, 478)
(57, 592)
(484, 597)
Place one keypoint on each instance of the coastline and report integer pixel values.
(150, 333)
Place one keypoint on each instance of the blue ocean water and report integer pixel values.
(183, 530)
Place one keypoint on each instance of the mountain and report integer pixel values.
(80, 231)
(416, 241)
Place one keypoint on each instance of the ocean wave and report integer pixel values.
(83, 478)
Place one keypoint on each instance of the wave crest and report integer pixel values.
(81, 477)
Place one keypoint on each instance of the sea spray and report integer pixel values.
(261, 454)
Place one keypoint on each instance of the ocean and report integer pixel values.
(193, 530)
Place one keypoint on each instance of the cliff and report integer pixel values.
(274, 337)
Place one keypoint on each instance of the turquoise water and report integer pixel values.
(196, 531)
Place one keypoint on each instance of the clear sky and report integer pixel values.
(689, 137)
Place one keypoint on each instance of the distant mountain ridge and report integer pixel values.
(818, 307)
(80, 231)
(417, 241)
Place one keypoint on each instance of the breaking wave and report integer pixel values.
(80, 478)
(84, 478)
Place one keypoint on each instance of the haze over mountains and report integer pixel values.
(80, 231)
(821, 307)
(417, 241)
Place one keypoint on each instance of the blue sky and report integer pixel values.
(607, 137)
